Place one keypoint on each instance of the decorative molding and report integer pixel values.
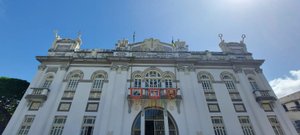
(151, 68)
(75, 72)
(185, 67)
(224, 73)
(249, 71)
(52, 69)
(168, 73)
(86, 81)
(99, 72)
(119, 67)
(42, 67)
(237, 69)
(215, 81)
(258, 70)
(205, 73)
(64, 67)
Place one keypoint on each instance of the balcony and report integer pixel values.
(154, 93)
(153, 97)
(264, 96)
(37, 94)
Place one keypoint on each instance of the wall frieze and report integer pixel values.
(185, 67)
(249, 71)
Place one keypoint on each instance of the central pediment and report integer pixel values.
(152, 44)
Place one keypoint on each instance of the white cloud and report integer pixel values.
(286, 85)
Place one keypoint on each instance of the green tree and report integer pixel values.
(11, 92)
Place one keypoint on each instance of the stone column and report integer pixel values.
(166, 122)
(188, 104)
(285, 122)
(257, 116)
(48, 109)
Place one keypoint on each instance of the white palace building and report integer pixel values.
(149, 88)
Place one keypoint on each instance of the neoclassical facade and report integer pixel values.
(149, 88)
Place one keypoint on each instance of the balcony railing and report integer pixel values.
(264, 96)
(154, 93)
(38, 94)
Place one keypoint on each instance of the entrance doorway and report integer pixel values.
(155, 123)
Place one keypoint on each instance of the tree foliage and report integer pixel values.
(11, 92)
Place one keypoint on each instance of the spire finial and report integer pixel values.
(56, 34)
(243, 37)
(221, 37)
(173, 44)
(133, 37)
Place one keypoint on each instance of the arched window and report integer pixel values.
(253, 84)
(48, 81)
(168, 81)
(152, 79)
(98, 82)
(154, 123)
(229, 83)
(137, 81)
(206, 83)
(73, 81)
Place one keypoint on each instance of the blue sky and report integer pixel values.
(271, 26)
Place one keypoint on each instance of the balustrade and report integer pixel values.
(154, 93)
(264, 96)
(38, 94)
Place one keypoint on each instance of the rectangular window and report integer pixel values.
(58, 125)
(26, 124)
(47, 84)
(246, 125)
(267, 107)
(72, 85)
(88, 125)
(218, 125)
(239, 107)
(235, 97)
(92, 107)
(254, 85)
(210, 97)
(213, 107)
(95, 95)
(34, 106)
(97, 85)
(153, 83)
(64, 106)
(137, 83)
(275, 125)
(68, 95)
(230, 86)
(206, 85)
(168, 83)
